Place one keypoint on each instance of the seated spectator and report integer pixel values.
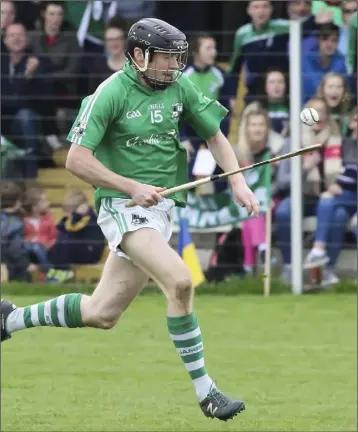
(12, 159)
(336, 206)
(79, 241)
(334, 91)
(259, 45)
(319, 172)
(322, 59)
(256, 126)
(40, 228)
(261, 126)
(25, 80)
(274, 100)
(13, 250)
(62, 49)
(213, 82)
(104, 66)
(8, 14)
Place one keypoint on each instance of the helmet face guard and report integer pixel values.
(159, 77)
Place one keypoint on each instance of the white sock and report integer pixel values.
(202, 386)
(15, 321)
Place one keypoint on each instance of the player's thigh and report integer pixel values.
(151, 252)
(120, 283)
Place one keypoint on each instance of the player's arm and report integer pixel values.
(82, 163)
(95, 115)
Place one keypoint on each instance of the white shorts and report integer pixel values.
(115, 219)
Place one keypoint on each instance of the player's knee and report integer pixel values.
(183, 288)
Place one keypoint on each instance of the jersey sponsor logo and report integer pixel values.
(79, 130)
(153, 139)
(177, 110)
(139, 220)
(133, 114)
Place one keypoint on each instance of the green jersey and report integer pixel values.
(134, 131)
(352, 50)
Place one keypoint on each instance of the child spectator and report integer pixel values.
(80, 240)
(334, 91)
(335, 207)
(319, 172)
(40, 228)
(12, 228)
(256, 127)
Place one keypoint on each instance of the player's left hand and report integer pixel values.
(244, 196)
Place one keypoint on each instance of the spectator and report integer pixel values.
(299, 9)
(40, 229)
(23, 79)
(334, 90)
(60, 47)
(262, 126)
(349, 7)
(319, 172)
(259, 45)
(256, 125)
(8, 14)
(336, 206)
(274, 100)
(322, 59)
(13, 251)
(105, 66)
(80, 240)
(213, 83)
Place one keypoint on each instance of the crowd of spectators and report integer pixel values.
(55, 52)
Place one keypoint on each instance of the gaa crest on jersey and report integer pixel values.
(177, 110)
(80, 129)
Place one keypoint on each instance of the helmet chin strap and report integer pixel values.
(146, 61)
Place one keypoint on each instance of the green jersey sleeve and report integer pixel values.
(203, 114)
(96, 113)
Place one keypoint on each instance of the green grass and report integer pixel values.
(293, 361)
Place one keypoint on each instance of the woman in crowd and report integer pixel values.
(334, 91)
(274, 100)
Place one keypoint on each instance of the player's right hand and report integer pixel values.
(147, 195)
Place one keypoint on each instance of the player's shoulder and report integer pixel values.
(112, 86)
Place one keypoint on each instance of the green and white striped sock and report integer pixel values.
(186, 335)
(63, 311)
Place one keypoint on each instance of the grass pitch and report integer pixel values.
(293, 361)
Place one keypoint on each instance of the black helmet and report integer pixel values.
(152, 35)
